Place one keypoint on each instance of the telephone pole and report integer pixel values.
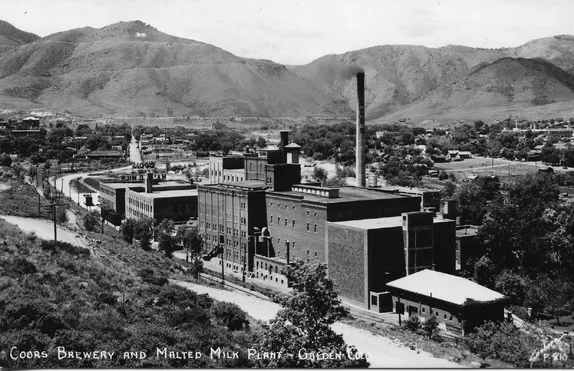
(53, 206)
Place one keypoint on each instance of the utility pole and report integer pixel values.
(53, 206)
(221, 249)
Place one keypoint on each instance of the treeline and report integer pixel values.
(527, 235)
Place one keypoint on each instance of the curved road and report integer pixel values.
(44, 229)
(382, 351)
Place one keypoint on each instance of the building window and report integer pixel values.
(315, 215)
(293, 223)
(278, 220)
(450, 318)
(278, 241)
(423, 310)
(285, 222)
(315, 228)
(307, 226)
(271, 219)
(445, 316)
(307, 252)
(374, 300)
(307, 213)
(271, 204)
(285, 206)
(315, 253)
(293, 207)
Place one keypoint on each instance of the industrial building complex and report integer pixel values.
(387, 249)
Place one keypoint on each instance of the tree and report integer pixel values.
(512, 285)
(501, 341)
(128, 229)
(449, 188)
(484, 272)
(305, 322)
(320, 174)
(193, 244)
(430, 328)
(143, 231)
(163, 232)
(92, 221)
(61, 215)
(551, 295)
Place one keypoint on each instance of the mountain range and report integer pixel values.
(132, 69)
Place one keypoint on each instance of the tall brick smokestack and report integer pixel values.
(360, 150)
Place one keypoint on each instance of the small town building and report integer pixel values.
(459, 304)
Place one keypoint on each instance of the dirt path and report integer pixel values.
(44, 229)
(382, 352)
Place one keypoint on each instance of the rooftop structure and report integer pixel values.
(445, 287)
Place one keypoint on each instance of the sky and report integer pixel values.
(300, 31)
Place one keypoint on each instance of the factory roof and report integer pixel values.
(379, 223)
(252, 184)
(445, 287)
(170, 194)
(346, 194)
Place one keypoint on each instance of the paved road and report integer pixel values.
(135, 155)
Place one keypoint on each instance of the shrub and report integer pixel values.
(23, 266)
(5, 160)
(150, 276)
(502, 341)
(413, 323)
(92, 221)
(57, 246)
(430, 328)
(230, 315)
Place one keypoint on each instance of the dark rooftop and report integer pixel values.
(346, 194)
(251, 184)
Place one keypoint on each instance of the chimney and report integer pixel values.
(360, 150)
(284, 141)
(148, 184)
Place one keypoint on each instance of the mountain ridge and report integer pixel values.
(131, 68)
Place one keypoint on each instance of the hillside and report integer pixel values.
(511, 83)
(132, 69)
(11, 37)
(399, 75)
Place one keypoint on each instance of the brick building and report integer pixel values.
(299, 215)
(171, 200)
(228, 215)
(226, 169)
(272, 219)
(364, 255)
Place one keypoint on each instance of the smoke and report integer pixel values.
(350, 71)
(337, 70)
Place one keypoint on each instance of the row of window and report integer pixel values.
(286, 206)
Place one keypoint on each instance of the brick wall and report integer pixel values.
(347, 262)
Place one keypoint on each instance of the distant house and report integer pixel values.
(464, 154)
(439, 158)
(534, 155)
(458, 304)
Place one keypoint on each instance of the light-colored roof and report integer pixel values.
(170, 194)
(271, 148)
(293, 145)
(445, 287)
(379, 223)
